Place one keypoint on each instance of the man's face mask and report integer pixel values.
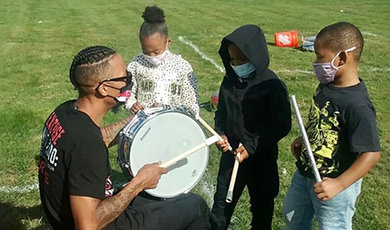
(244, 70)
(124, 94)
(326, 71)
(125, 91)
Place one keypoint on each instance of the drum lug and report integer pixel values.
(141, 118)
(186, 110)
(124, 165)
(126, 134)
(182, 108)
(141, 115)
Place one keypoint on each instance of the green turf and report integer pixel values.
(38, 40)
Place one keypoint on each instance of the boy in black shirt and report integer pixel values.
(253, 110)
(342, 133)
(74, 170)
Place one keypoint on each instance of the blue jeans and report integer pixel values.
(301, 203)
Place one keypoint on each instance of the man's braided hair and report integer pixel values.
(90, 65)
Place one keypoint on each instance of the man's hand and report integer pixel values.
(223, 145)
(150, 174)
(244, 154)
(136, 107)
(296, 147)
(328, 188)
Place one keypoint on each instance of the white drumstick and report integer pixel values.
(229, 196)
(210, 129)
(207, 142)
(306, 139)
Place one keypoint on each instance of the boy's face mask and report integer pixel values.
(326, 71)
(244, 70)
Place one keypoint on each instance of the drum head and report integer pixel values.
(163, 137)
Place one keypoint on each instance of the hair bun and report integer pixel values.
(153, 14)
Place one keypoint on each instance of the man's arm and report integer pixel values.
(92, 213)
(110, 132)
(330, 187)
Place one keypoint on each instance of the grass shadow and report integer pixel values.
(12, 217)
(271, 43)
(299, 48)
(207, 106)
(119, 179)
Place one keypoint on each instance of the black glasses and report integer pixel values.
(128, 79)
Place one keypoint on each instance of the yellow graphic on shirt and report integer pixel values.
(324, 138)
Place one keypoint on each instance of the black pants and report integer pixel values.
(187, 211)
(261, 177)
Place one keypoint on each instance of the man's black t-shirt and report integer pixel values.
(73, 161)
(341, 126)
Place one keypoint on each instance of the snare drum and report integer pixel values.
(159, 134)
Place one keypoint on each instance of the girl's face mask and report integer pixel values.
(157, 59)
(326, 71)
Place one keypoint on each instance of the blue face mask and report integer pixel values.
(244, 70)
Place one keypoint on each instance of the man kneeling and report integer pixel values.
(74, 170)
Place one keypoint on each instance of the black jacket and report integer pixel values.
(255, 111)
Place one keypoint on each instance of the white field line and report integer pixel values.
(369, 33)
(201, 54)
(212, 61)
(29, 188)
(376, 69)
(294, 71)
(208, 36)
(372, 69)
(19, 189)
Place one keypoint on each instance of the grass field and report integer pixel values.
(38, 40)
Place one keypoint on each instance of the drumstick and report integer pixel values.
(305, 139)
(229, 196)
(207, 142)
(211, 129)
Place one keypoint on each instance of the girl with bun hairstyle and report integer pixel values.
(159, 76)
